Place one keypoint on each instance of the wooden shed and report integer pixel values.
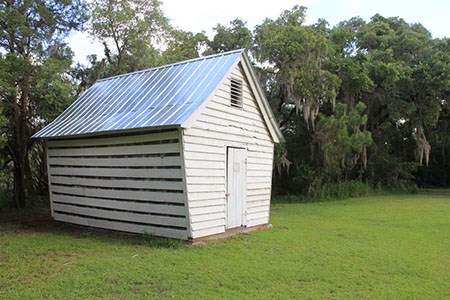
(183, 151)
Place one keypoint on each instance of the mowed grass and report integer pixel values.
(383, 247)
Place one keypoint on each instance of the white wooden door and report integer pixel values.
(236, 187)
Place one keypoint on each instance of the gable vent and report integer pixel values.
(236, 93)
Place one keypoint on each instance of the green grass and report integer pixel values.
(383, 247)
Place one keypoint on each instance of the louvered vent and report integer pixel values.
(236, 93)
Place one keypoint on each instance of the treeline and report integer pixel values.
(360, 102)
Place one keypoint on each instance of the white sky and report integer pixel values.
(198, 15)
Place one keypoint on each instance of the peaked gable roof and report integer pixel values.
(162, 96)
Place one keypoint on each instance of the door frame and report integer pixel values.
(244, 190)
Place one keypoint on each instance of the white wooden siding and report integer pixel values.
(131, 183)
(204, 146)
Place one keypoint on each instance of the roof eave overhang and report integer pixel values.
(262, 101)
(111, 132)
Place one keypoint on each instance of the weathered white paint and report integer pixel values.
(49, 183)
(172, 182)
(114, 140)
(121, 226)
(217, 127)
(236, 184)
(130, 183)
(115, 150)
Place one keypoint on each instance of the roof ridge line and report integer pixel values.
(174, 64)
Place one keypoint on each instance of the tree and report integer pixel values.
(183, 45)
(30, 42)
(235, 36)
(343, 140)
(129, 31)
(401, 74)
(299, 86)
(297, 52)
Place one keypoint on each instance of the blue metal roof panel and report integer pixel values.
(166, 95)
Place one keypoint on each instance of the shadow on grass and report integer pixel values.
(40, 221)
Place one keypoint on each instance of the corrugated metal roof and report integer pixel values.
(166, 95)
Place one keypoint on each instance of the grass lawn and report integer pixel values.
(383, 247)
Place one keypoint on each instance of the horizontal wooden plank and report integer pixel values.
(260, 197)
(257, 167)
(258, 209)
(208, 217)
(227, 137)
(238, 120)
(256, 222)
(127, 139)
(204, 156)
(261, 148)
(259, 185)
(205, 188)
(121, 194)
(222, 96)
(207, 224)
(121, 215)
(201, 148)
(242, 118)
(260, 154)
(117, 150)
(122, 205)
(257, 215)
(259, 161)
(249, 111)
(251, 192)
(219, 125)
(249, 105)
(261, 179)
(208, 231)
(257, 173)
(225, 116)
(193, 172)
(257, 204)
(119, 226)
(204, 164)
(252, 165)
(118, 172)
(208, 202)
(119, 183)
(219, 107)
(199, 196)
(237, 72)
(116, 162)
(203, 140)
(194, 211)
(206, 180)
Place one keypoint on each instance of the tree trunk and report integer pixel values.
(19, 146)
(19, 186)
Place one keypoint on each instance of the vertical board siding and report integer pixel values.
(205, 146)
(130, 183)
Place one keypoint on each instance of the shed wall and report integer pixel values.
(205, 146)
(129, 183)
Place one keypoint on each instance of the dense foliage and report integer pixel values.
(33, 85)
(360, 102)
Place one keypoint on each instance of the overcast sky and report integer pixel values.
(198, 15)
